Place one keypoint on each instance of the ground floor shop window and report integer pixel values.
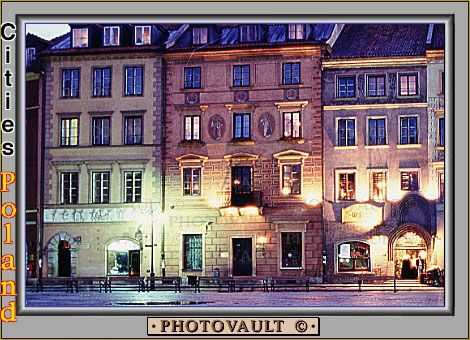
(353, 256)
(123, 258)
(291, 250)
(192, 252)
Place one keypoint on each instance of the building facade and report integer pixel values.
(243, 150)
(102, 150)
(379, 209)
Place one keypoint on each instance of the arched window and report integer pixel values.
(353, 256)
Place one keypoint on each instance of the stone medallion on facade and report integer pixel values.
(266, 125)
(216, 127)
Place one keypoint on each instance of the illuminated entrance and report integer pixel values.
(123, 258)
(410, 253)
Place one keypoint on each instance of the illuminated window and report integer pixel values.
(376, 86)
(100, 187)
(191, 181)
(408, 84)
(346, 186)
(192, 128)
(134, 81)
(291, 73)
(353, 256)
(133, 130)
(102, 82)
(199, 35)
(377, 131)
(111, 36)
(409, 180)
(296, 31)
(69, 188)
(345, 87)
(291, 179)
(241, 126)
(291, 244)
(378, 186)
(142, 35)
(69, 132)
(70, 83)
(132, 186)
(442, 129)
(192, 77)
(80, 37)
(346, 134)
(291, 124)
(241, 75)
(192, 252)
(442, 186)
(101, 130)
(409, 130)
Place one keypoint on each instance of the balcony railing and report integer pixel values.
(437, 103)
(229, 199)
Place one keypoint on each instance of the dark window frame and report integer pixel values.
(409, 180)
(68, 92)
(135, 137)
(192, 250)
(346, 94)
(241, 77)
(134, 92)
(377, 139)
(373, 79)
(405, 133)
(101, 139)
(197, 35)
(408, 77)
(295, 261)
(295, 181)
(355, 256)
(288, 69)
(249, 33)
(349, 194)
(441, 131)
(242, 127)
(192, 188)
(102, 93)
(189, 79)
(346, 141)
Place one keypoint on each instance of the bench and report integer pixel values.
(288, 282)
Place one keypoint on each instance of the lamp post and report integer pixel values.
(152, 245)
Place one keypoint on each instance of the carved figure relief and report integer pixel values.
(266, 125)
(216, 127)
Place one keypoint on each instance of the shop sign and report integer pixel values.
(362, 214)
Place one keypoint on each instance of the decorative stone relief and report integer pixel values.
(240, 96)
(216, 127)
(266, 125)
(191, 98)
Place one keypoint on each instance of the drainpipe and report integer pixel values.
(40, 225)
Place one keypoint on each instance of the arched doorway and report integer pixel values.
(62, 252)
(409, 250)
(123, 258)
(63, 259)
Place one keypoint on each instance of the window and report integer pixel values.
(134, 81)
(241, 126)
(70, 83)
(30, 55)
(291, 250)
(296, 31)
(347, 186)
(192, 128)
(378, 186)
(199, 35)
(133, 186)
(191, 181)
(377, 131)
(291, 179)
(69, 132)
(80, 37)
(291, 124)
(241, 180)
(192, 77)
(353, 256)
(100, 187)
(111, 36)
(376, 86)
(408, 130)
(248, 33)
(101, 130)
(409, 180)
(142, 35)
(291, 73)
(408, 84)
(346, 87)
(346, 132)
(69, 188)
(102, 82)
(442, 186)
(241, 75)
(133, 130)
(442, 129)
(192, 252)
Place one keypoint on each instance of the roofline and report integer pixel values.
(360, 62)
(101, 50)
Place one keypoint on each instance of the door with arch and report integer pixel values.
(410, 255)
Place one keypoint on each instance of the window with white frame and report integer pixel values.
(291, 179)
(409, 130)
(241, 126)
(80, 37)
(346, 132)
(378, 185)
(69, 131)
(192, 128)
(102, 82)
(30, 55)
(346, 186)
(191, 181)
(111, 36)
(69, 188)
(71, 83)
(100, 186)
(132, 186)
(346, 87)
(199, 35)
(101, 130)
(192, 252)
(409, 180)
(134, 80)
(376, 85)
(142, 35)
(377, 133)
(296, 31)
(291, 124)
(291, 250)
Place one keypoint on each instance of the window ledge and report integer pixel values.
(191, 143)
(341, 99)
(242, 141)
(293, 140)
(380, 146)
(241, 87)
(408, 146)
(347, 147)
(291, 268)
(376, 97)
(198, 89)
